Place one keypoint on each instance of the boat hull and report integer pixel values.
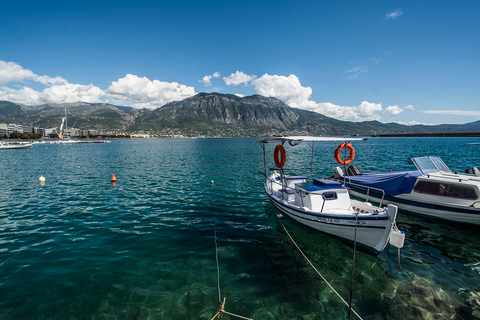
(372, 234)
(456, 213)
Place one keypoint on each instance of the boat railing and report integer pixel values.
(475, 203)
(368, 189)
(285, 187)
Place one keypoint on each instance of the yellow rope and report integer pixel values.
(221, 309)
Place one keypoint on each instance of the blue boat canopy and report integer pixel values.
(393, 183)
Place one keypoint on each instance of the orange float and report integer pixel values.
(279, 151)
(351, 155)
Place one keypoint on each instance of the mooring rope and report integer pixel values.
(353, 266)
(221, 309)
(23, 249)
(323, 278)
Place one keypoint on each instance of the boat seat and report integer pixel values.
(288, 190)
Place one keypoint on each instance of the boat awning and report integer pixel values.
(310, 138)
(393, 183)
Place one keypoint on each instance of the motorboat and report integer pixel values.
(325, 205)
(432, 190)
(14, 145)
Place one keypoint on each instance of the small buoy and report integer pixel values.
(212, 182)
(41, 179)
(113, 178)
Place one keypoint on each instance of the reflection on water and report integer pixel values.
(80, 247)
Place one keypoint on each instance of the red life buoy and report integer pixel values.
(351, 155)
(279, 162)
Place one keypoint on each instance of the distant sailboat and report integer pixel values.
(65, 139)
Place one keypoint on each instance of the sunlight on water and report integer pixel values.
(80, 247)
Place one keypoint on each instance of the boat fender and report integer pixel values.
(397, 238)
(279, 151)
(351, 155)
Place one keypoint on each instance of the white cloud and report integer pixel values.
(410, 107)
(287, 89)
(13, 72)
(413, 123)
(238, 78)
(144, 93)
(355, 72)
(393, 111)
(290, 90)
(454, 112)
(207, 79)
(393, 14)
(54, 94)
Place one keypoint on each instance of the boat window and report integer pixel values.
(431, 164)
(446, 190)
(330, 195)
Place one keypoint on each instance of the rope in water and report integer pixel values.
(25, 248)
(221, 309)
(323, 278)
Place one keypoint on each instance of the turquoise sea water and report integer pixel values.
(80, 247)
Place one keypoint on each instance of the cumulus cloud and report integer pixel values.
(131, 90)
(238, 78)
(393, 111)
(55, 94)
(393, 14)
(13, 72)
(207, 79)
(58, 89)
(287, 89)
(290, 90)
(141, 92)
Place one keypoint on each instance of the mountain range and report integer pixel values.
(210, 114)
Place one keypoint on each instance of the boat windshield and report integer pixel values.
(430, 164)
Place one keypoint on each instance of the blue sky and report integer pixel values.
(394, 61)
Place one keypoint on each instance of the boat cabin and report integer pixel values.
(445, 188)
(319, 195)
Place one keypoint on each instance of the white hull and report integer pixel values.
(16, 146)
(456, 213)
(372, 231)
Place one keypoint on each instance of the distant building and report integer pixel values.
(12, 127)
(3, 129)
(50, 131)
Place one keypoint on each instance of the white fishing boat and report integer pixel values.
(432, 190)
(14, 145)
(325, 205)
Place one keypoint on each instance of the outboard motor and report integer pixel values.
(337, 173)
(353, 171)
(473, 171)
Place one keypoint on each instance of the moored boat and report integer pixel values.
(432, 190)
(325, 205)
(12, 145)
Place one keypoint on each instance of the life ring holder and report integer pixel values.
(351, 155)
(279, 151)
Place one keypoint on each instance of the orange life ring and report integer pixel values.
(279, 162)
(351, 155)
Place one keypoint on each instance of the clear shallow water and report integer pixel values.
(79, 247)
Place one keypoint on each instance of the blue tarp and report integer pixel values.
(393, 183)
